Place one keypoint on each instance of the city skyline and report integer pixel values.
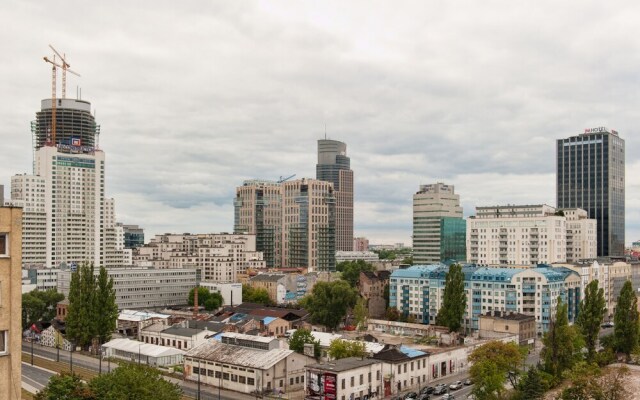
(455, 100)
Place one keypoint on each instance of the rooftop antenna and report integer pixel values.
(325, 131)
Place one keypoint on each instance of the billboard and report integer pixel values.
(321, 385)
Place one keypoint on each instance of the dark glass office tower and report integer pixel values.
(590, 175)
(334, 166)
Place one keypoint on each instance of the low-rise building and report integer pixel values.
(274, 284)
(131, 322)
(500, 323)
(345, 379)
(143, 353)
(178, 336)
(144, 287)
(368, 256)
(231, 292)
(246, 364)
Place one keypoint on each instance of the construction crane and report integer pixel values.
(54, 74)
(285, 179)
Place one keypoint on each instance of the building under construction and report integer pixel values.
(75, 125)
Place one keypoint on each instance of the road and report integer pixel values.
(35, 378)
(37, 381)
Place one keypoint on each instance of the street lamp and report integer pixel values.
(199, 373)
(31, 330)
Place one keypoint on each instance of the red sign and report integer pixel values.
(330, 389)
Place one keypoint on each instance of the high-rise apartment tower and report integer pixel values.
(591, 176)
(439, 231)
(334, 166)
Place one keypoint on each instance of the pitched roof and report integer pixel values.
(237, 355)
(145, 349)
(344, 364)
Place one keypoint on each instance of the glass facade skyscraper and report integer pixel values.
(439, 231)
(334, 166)
(591, 176)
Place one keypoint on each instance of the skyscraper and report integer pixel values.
(334, 166)
(67, 218)
(590, 175)
(439, 231)
(294, 222)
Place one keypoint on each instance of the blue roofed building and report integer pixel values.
(418, 292)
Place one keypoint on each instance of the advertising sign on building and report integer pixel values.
(330, 390)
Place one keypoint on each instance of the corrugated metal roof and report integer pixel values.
(134, 315)
(144, 349)
(237, 355)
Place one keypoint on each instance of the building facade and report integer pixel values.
(582, 238)
(418, 291)
(143, 287)
(10, 303)
(503, 323)
(65, 206)
(334, 166)
(516, 235)
(133, 236)
(439, 231)
(591, 175)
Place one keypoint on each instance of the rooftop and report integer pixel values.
(237, 355)
(343, 364)
(509, 316)
(145, 349)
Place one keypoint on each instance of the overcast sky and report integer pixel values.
(194, 97)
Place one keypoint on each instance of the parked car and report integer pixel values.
(423, 396)
(427, 390)
(410, 395)
(607, 325)
(439, 389)
(448, 396)
(455, 385)
(468, 382)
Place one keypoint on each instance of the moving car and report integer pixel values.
(427, 390)
(439, 389)
(448, 396)
(455, 385)
(468, 382)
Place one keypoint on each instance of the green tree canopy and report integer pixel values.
(301, 337)
(209, 300)
(532, 387)
(346, 348)
(65, 386)
(329, 301)
(350, 270)
(81, 318)
(133, 381)
(562, 343)
(256, 295)
(454, 301)
(491, 364)
(106, 312)
(626, 322)
(361, 313)
(39, 305)
(590, 316)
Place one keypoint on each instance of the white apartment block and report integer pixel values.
(28, 192)
(582, 235)
(527, 235)
(143, 287)
(611, 275)
(223, 257)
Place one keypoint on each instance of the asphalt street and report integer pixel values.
(35, 378)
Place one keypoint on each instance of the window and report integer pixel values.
(353, 382)
(343, 384)
(4, 243)
(251, 381)
(291, 381)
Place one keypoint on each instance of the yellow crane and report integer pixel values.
(54, 74)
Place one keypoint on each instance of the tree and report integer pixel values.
(329, 301)
(408, 260)
(562, 343)
(81, 318)
(350, 270)
(532, 386)
(346, 348)
(491, 363)
(361, 313)
(134, 381)
(590, 316)
(626, 322)
(65, 386)
(256, 295)
(301, 337)
(454, 301)
(392, 314)
(203, 296)
(39, 305)
(214, 302)
(106, 312)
